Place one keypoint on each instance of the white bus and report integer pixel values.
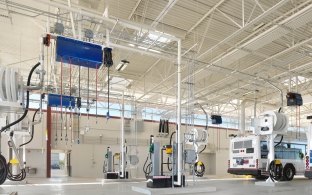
(248, 156)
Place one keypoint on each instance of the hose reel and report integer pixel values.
(11, 89)
(272, 122)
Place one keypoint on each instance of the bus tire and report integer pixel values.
(289, 172)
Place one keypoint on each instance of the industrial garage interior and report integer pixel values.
(155, 97)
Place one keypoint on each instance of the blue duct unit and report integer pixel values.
(79, 53)
(54, 100)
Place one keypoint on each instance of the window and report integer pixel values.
(284, 150)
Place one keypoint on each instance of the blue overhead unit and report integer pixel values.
(78, 52)
(55, 100)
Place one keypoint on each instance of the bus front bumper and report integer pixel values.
(254, 172)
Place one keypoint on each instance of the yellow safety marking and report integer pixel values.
(14, 161)
(278, 162)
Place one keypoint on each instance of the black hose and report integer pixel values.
(171, 136)
(27, 101)
(202, 149)
(168, 164)
(275, 171)
(147, 168)
(18, 177)
(3, 169)
(279, 141)
(32, 129)
(159, 129)
(280, 109)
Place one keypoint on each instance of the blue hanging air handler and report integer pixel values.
(78, 52)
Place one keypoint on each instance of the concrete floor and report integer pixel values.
(78, 186)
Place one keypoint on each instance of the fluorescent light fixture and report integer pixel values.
(140, 47)
(158, 38)
(122, 65)
(152, 50)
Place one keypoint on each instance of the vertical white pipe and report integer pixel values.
(122, 166)
(79, 25)
(255, 108)
(72, 21)
(179, 118)
(270, 141)
(242, 118)
(24, 152)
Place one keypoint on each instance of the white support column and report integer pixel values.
(178, 134)
(242, 118)
(72, 21)
(270, 141)
(122, 139)
(79, 25)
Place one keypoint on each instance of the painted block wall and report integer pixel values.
(87, 157)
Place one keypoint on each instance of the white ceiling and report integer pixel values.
(228, 59)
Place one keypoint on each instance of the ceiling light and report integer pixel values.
(152, 50)
(122, 65)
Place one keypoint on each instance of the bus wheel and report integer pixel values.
(289, 172)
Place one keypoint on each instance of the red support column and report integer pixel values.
(49, 129)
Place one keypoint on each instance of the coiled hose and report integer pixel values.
(275, 171)
(3, 169)
(199, 169)
(18, 177)
(147, 168)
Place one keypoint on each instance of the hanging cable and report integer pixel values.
(56, 119)
(70, 101)
(65, 126)
(168, 159)
(108, 62)
(108, 81)
(282, 137)
(205, 146)
(32, 129)
(79, 105)
(61, 99)
(88, 95)
(96, 94)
